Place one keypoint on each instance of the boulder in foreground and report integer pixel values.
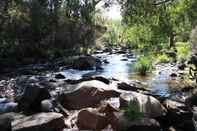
(148, 105)
(40, 122)
(87, 94)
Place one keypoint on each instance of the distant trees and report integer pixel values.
(52, 28)
(166, 19)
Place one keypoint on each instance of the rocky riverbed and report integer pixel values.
(95, 98)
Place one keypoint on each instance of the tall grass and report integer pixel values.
(143, 65)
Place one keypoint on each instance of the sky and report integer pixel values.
(113, 12)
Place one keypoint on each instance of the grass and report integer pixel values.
(162, 59)
(143, 65)
(132, 112)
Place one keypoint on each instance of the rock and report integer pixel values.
(171, 129)
(171, 54)
(87, 94)
(187, 88)
(124, 59)
(130, 55)
(6, 107)
(105, 61)
(132, 86)
(100, 78)
(52, 81)
(120, 122)
(5, 123)
(90, 119)
(193, 60)
(144, 124)
(194, 110)
(6, 120)
(179, 115)
(96, 119)
(121, 52)
(125, 86)
(39, 122)
(107, 50)
(60, 76)
(69, 81)
(107, 108)
(47, 106)
(30, 100)
(173, 75)
(149, 105)
(86, 63)
(191, 100)
(182, 66)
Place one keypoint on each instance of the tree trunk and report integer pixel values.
(171, 40)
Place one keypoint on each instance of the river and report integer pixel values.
(121, 67)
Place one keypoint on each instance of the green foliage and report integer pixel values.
(132, 112)
(162, 59)
(40, 29)
(143, 65)
(165, 20)
(112, 36)
(183, 51)
(143, 38)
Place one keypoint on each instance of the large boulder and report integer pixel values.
(31, 98)
(90, 119)
(96, 119)
(87, 94)
(148, 105)
(39, 122)
(86, 63)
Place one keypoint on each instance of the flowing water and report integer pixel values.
(121, 67)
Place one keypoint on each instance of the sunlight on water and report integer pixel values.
(120, 67)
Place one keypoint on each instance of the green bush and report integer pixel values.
(183, 51)
(162, 59)
(143, 65)
(132, 112)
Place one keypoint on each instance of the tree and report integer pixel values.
(167, 17)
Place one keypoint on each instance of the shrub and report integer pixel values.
(143, 65)
(162, 59)
(132, 112)
(183, 51)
